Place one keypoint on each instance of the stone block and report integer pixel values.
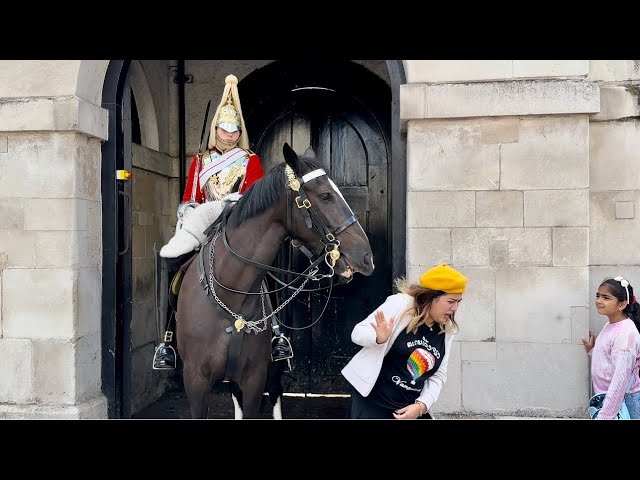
(499, 209)
(499, 130)
(614, 155)
(579, 324)
(61, 249)
(19, 248)
(441, 209)
(612, 241)
(562, 208)
(432, 71)
(476, 314)
(613, 70)
(479, 351)
(450, 399)
(485, 246)
(143, 324)
(543, 298)
(450, 156)
(551, 153)
(54, 371)
(39, 304)
(617, 102)
(624, 210)
(570, 246)
(550, 68)
(143, 279)
(55, 214)
(16, 370)
(429, 246)
(11, 213)
(89, 304)
(559, 372)
(88, 364)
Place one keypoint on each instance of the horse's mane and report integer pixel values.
(265, 192)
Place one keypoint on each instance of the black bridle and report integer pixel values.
(328, 250)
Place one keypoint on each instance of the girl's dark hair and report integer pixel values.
(632, 310)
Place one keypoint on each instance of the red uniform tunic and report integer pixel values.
(254, 172)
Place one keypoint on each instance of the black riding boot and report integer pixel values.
(280, 345)
(165, 356)
(280, 348)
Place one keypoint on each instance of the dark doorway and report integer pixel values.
(343, 112)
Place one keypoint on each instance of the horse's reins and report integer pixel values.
(312, 219)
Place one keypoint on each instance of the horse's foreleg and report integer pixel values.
(197, 388)
(277, 408)
(237, 410)
(252, 390)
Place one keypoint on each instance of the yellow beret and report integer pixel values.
(444, 278)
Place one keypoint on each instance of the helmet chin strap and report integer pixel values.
(223, 145)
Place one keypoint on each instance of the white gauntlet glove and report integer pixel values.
(185, 209)
(232, 197)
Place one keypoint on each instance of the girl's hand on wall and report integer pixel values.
(589, 342)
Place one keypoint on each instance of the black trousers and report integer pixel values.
(364, 408)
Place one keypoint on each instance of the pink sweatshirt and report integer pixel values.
(614, 364)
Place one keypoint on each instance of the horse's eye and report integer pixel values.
(325, 196)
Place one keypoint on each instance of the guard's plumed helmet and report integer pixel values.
(229, 114)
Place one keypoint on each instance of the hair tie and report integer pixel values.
(633, 300)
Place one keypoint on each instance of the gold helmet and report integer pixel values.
(229, 114)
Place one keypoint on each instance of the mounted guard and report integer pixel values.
(217, 177)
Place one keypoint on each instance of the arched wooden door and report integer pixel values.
(351, 142)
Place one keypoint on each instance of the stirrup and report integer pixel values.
(283, 352)
(161, 362)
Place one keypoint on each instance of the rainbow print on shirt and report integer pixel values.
(420, 361)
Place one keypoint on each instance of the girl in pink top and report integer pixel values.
(615, 354)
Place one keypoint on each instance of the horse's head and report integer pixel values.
(321, 217)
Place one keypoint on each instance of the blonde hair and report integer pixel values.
(422, 300)
(230, 89)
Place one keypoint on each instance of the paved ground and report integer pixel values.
(174, 404)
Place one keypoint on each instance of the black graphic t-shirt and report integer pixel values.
(412, 359)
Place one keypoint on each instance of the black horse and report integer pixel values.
(223, 321)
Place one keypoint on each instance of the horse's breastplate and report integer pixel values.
(226, 173)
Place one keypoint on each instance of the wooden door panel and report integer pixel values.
(350, 144)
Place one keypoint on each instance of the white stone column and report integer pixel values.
(51, 131)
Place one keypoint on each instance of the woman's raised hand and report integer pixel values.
(382, 326)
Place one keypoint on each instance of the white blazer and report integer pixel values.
(363, 369)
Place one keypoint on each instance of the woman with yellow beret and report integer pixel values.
(402, 366)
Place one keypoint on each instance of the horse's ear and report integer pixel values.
(290, 157)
